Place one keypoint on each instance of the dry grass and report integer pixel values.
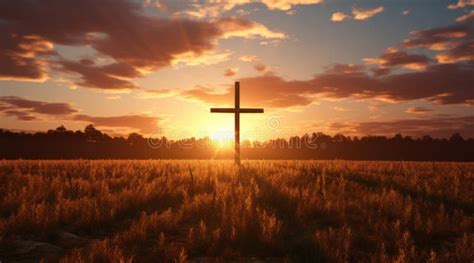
(294, 211)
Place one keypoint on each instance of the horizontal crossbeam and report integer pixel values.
(223, 110)
(232, 110)
(251, 110)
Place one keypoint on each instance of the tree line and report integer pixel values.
(94, 144)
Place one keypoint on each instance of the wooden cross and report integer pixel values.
(237, 110)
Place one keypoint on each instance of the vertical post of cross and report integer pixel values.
(237, 124)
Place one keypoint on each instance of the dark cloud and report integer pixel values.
(22, 57)
(117, 29)
(145, 124)
(443, 84)
(112, 76)
(436, 127)
(393, 57)
(21, 115)
(29, 110)
(440, 38)
(462, 52)
(25, 109)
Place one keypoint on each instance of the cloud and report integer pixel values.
(436, 127)
(248, 58)
(365, 14)
(28, 110)
(33, 106)
(267, 91)
(466, 18)
(418, 110)
(22, 58)
(230, 72)
(262, 68)
(286, 5)
(461, 4)
(462, 52)
(20, 115)
(442, 84)
(214, 8)
(447, 82)
(394, 57)
(117, 29)
(357, 14)
(144, 124)
(207, 58)
(113, 76)
(406, 12)
(440, 38)
(234, 27)
(339, 16)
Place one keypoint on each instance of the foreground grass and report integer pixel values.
(294, 211)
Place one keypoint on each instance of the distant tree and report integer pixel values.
(135, 139)
(92, 134)
(456, 138)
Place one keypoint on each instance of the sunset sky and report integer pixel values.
(157, 66)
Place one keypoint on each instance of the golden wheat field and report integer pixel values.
(207, 211)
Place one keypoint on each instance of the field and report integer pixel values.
(293, 211)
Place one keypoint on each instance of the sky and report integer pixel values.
(156, 66)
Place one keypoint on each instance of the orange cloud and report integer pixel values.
(339, 16)
(286, 5)
(262, 68)
(365, 14)
(357, 14)
(461, 4)
(466, 18)
(393, 57)
(440, 38)
(268, 91)
(233, 27)
(230, 72)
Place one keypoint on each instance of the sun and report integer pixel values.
(223, 139)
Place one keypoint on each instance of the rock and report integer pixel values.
(69, 240)
(30, 246)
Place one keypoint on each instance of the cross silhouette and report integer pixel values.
(237, 110)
